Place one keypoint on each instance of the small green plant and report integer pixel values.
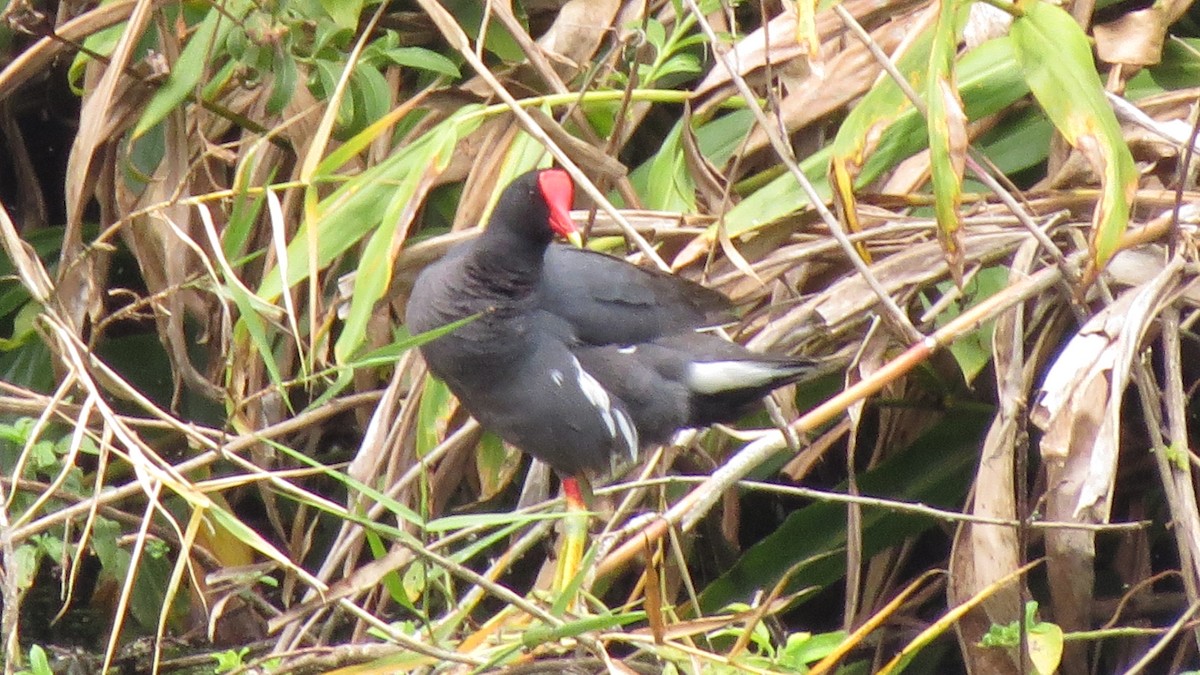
(1045, 639)
(1177, 456)
(230, 659)
(799, 651)
(39, 663)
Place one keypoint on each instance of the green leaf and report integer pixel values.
(27, 558)
(391, 580)
(39, 663)
(415, 581)
(113, 559)
(344, 13)
(1178, 69)
(946, 124)
(1056, 59)
(423, 59)
(24, 328)
(719, 138)
(1018, 143)
(186, 72)
(778, 198)
(679, 64)
(372, 96)
(801, 649)
(537, 635)
(102, 43)
(974, 351)
(664, 182)
(360, 205)
(283, 85)
(862, 133)
(375, 267)
(451, 523)
(988, 81)
(491, 459)
(497, 39)
(150, 588)
(327, 74)
(656, 35)
(1046, 647)
(432, 416)
(525, 153)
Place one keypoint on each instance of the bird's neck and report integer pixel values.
(506, 265)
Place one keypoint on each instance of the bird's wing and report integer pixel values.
(606, 300)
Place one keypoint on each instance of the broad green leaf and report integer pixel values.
(497, 39)
(374, 271)
(433, 415)
(372, 97)
(39, 663)
(423, 59)
(803, 649)
(283, 84)
(114, 560)
(343, 12)
(30, 365)
(1056, 58)
(655, 35)
(664, 182)
(1046, 647)
(26, 558)
(989, 80)
(721, 137)
(102, 42)
(327, 74)
(1045, 640)
(23, 324)
(778, 198)
(150, 586)
(973, 351)
(360, 204)
(864, 130)
(1018, 143)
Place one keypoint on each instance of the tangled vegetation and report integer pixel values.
(220, 450)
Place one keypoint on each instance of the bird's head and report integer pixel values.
(535, 207)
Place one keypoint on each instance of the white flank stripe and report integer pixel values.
(556, 376)
(597, 395)
(714, 377)
(628, 433)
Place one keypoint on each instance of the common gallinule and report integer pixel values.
(576, 357)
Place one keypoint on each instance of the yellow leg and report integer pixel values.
(575, 533)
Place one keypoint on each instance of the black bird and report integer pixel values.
(576, 357)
